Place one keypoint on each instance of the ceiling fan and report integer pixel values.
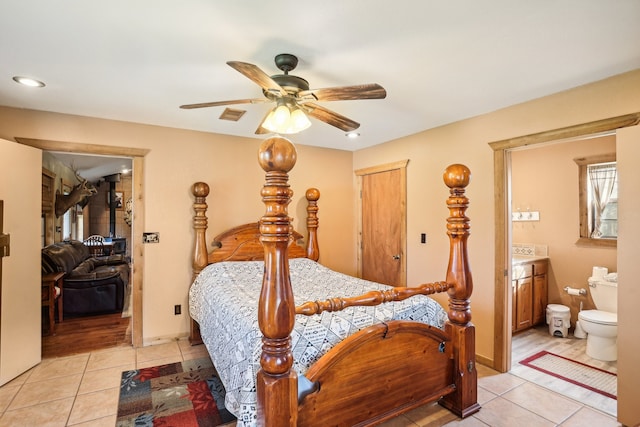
(294, 100)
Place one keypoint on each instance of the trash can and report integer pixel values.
(559, 320)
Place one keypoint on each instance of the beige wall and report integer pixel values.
(229, 165)
(466, 142)
(545, 179)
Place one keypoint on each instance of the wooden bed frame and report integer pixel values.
(375, 374)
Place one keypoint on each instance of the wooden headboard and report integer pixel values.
(242, 243)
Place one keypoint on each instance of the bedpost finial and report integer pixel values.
(200, 189)
(312, 194)
(456, 176)
(277, 154)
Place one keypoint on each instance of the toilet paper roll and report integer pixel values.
(599, 272)
(572, 291)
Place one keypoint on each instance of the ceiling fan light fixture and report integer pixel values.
(281, 116)
(284, 120)
(300, 120)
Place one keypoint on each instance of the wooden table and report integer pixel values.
(49, 283)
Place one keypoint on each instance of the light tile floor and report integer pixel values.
(82, 390)
(536, 339)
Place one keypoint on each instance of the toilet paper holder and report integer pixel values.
(574, 291)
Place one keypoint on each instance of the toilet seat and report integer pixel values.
(600, 317)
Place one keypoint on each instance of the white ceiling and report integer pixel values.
(440, 61)
(94, 168)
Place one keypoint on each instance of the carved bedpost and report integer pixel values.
(463, 401)
(456, 177)
(313, 251)
(200, 190)
(276, 380)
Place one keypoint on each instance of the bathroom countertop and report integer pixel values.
(522, 259)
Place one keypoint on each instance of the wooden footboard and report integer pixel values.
(377, 373)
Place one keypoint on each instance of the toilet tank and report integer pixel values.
(604, 294)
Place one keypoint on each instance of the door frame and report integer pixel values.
(137, 252)
(502, 209)
(402, 166)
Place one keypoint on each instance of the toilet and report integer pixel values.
(601, 324)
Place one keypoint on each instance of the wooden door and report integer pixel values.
(524, 303)
(20, 309)
(383, 226)
(48, 196)
(539, 299)
(514, 303)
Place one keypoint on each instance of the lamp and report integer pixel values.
(286, 119)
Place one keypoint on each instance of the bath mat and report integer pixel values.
(589, 377)
(185, 394)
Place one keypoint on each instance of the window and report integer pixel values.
(598, 181)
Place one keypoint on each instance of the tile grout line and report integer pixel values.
(75, 397)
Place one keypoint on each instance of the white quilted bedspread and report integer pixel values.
(224, 301)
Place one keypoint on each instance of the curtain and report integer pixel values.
(602, 179)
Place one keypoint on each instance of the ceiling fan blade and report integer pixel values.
(217, 103)
(330, 117)
(260, 130)
(345, 93)
(257, 76)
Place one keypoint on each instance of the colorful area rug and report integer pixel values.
(589, 377)
(185, 394)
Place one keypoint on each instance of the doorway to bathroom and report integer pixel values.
(504, 358)
(503, 211)
(545, 222)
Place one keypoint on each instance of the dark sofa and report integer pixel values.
(92, 285)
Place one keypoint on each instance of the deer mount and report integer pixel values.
(79, 195)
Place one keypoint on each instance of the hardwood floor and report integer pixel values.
(86, 334)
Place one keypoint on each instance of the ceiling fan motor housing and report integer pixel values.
(291, 84)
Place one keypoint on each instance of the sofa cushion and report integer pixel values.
(86, 266)
(62, 256)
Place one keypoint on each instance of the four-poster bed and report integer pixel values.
(383, 353)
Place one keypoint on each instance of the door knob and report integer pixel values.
(397, 256)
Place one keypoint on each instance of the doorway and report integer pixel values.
(502, 359)
(103, 221)
(137, 249)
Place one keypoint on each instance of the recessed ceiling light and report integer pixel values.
(352, 135)
(27, 81)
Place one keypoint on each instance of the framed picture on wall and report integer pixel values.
(117, 200)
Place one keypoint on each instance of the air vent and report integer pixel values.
(231, 114)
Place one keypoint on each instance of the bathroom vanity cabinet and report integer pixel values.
(529, 287)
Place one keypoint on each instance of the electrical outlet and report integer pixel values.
(153, 237)
(423, 238)
(177, 309)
